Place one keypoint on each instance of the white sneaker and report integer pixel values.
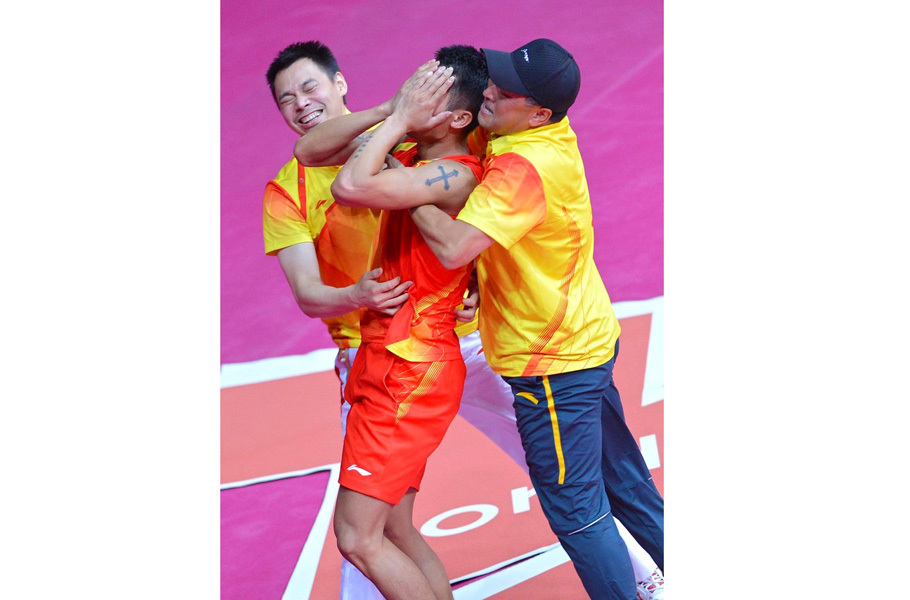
(653, 587)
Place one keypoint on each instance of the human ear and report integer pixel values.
(341, 84)
(461, 119)
(540, 117)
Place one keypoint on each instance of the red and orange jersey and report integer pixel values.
(422, 329)
(298, 207)
(545, 307)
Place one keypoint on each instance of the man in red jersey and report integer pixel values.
(406, 382)
(323, 248)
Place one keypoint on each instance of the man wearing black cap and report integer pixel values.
(548, 326)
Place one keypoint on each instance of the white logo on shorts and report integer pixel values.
(363, 472)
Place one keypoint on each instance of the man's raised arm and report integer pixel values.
(333, 141)
(362, 182)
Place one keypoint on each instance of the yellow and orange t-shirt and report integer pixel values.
(545, 307)
(298, 207)
(421, 330)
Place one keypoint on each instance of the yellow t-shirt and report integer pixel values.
(545, 307)
(298, 207)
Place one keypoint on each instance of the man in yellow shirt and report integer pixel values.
(547, 323)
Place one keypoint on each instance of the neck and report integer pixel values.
(447, 146)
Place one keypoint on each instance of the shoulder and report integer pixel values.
(288, 174)
(513, 166)
(463, 171)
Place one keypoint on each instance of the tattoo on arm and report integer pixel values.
(444, 177)
(366, 140)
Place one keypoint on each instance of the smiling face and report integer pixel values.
(503, 112)
(307, 96)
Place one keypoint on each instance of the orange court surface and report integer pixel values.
(281, 444)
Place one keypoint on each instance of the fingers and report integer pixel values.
(391, 311)
(466, 315)
(422, 106)
(438, 119)
(434, 81)
(392, 162)
(400, 289)
(471, 301)
(386, 286)
(386, 297)
(426, 67)
(442, 84)
(391, 306)
(420, 75)
(374, 274)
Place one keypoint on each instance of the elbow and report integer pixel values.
(300, 152)
(309, 312)
(346, 192)
(306, 307)
(307, 157)
(448, 261)
(341, 190)
(451, 258)
(312, 310)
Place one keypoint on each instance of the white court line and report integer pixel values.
(653, 388)
(512, 576)
(301, 582)
(276, 477)
(504, 563)
(649, 451)
(268, 369)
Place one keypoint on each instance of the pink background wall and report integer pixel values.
(618, 118)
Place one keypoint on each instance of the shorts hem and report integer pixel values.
(371, 491)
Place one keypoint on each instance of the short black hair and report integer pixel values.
(469, 66)
(317, 52)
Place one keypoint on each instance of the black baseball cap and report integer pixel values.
(541, 69)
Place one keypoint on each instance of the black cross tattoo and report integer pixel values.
(444, 177)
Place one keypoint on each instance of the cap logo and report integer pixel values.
(525, 52)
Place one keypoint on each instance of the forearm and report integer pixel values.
(355, 184)
(441, 233)
(322, 144)
(320, 301)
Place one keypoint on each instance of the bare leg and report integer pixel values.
(359, 524)
(400, 530)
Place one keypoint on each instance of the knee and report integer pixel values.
(576, 506)
(354, 545)
(399, 533)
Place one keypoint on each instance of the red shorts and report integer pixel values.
(400, 411)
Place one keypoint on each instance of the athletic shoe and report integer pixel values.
(652, 588)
